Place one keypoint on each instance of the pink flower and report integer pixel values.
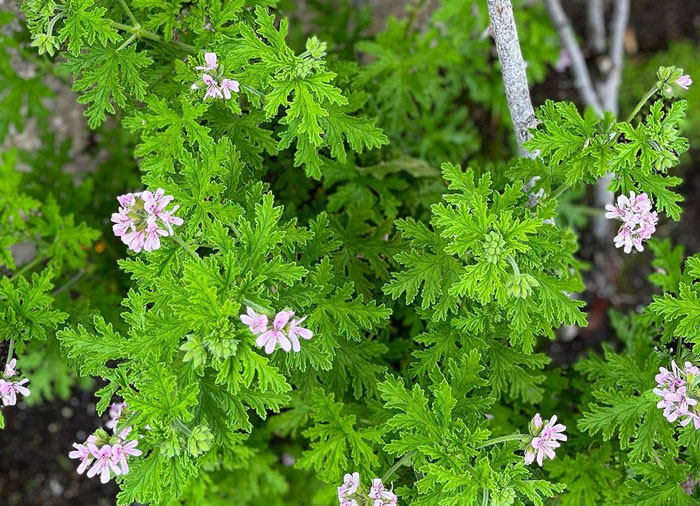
(638, 221)
(213, 89)
(210, 59)
(350, 484)
(296, 331)
(227, 86)
(679, 393)
(120, 452)
(81, 453)
(381, 496)
(10, 389)
(684, 81)
(152, 234)
(142, 219)
(115, 412)
(276, 334)
(256, 322)
(103, 462)
(545, 441)
(10, 368)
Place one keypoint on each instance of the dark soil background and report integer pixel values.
(35, 469)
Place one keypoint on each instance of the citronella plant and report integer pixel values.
(320, 303)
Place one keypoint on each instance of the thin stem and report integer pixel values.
(10, 351)
(502, 439)
(485, 498)
(177, 424)
(641, 103)
(679, 347)
(397, 464)
(52, 23)
(29, 265)
(253, 90)
(511, 260)
(145, 34)
(256, 307)
(129, 13)
(186, 247)
(128, 41)
(69, 283)
(415, 9)
(556, 193)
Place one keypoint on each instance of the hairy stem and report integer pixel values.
(186, 247)
(69, 283)
(145, 34)
(10, 351)
(397, 464)
(29, 265)
(129, 13)
(503, 439)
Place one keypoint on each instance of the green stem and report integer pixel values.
(641, 103)
(69, 283)
(52, 23)
(679, 347)
(257, 307)
(178, 425)
(397, 464)
(186, 247)
(516, 271)
(128, 41)
(29, 265)
(129, 13)
(502, 439)
(10, 351)
(556, 193)
(253, 90)
(415, 9)
(145, 34)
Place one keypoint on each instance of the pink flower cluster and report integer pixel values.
(349, 493)
(142, 219)
(106, 455)
(546, 437)
(679, 393)
(210, 80)
(284, 332)
(638, 220)
(9, 387)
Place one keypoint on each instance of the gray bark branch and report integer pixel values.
(596, 25)
(618, 27)
(582, 77)
(505, 35)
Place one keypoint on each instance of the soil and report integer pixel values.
(35, 469)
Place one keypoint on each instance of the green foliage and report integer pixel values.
(432, 295)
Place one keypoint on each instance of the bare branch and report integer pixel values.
(512, 68)
(618, 27)
(596, 25)
(578, 63)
